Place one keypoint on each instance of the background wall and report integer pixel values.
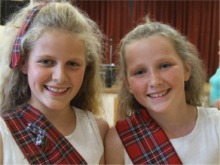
(7, 7)
(197, 19)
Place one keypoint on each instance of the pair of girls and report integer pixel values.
(50, 100)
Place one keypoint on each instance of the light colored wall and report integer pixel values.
(108, 103)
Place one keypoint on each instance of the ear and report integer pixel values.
(24, 68)
(188, 71)
(128, 86)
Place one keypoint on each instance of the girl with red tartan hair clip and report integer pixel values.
(160, 100)
(50, 102)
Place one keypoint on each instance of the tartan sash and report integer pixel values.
(38, 139)
(144, 141)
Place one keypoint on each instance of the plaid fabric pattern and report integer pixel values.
(16, 54)
(27, 126)
(144, 141)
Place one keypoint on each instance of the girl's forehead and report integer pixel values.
(152, 43)
(152, 38)
(152, 48)
(58, 42)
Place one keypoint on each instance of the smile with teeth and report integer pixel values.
(56, 90)
(156, 95)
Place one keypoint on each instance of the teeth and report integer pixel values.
(158, 94)
(55, 90)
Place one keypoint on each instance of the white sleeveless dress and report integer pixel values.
(86, 139)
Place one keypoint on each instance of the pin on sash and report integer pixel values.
(40, 139)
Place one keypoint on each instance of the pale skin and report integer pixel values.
(52, 72)
(155, 76)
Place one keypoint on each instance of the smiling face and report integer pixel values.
(155, 74)
(55, 70)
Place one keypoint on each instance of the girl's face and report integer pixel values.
(55, 70)
(155, 74)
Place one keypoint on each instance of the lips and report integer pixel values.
(158, 94)
(56, 90)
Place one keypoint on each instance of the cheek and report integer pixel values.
(136, 86)
(36, 75)
(175, 79)
(77, 77)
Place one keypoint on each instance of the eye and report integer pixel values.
(165, 66)
(73, 64)
(139, 72)
(46, 62)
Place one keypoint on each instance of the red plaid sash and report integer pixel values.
(38, 139)
(144, 141)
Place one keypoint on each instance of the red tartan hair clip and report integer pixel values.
(16, 50)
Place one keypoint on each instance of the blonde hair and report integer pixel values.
(186, 51)
(66, 18)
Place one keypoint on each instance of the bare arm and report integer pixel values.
(114, 149)
(217, 104)
(1, 149)
(103, 128)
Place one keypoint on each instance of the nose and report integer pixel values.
(59, 74)
(154, 79)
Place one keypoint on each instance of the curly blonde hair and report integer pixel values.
(66, 18)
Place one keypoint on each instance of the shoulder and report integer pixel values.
(113, 137)
(217, 104)
(103, 126)
(209, 112)
(114, 149)
(210, 118)
(99, 121)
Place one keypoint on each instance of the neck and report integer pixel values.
(64, 122)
